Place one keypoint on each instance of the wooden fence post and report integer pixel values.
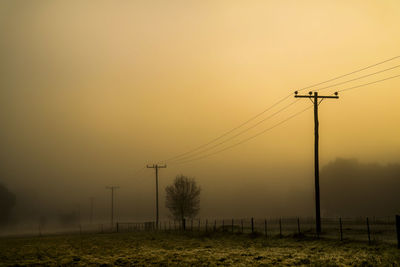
(265, 227)
(280, 227)
(252, 225)
(398, 230)
(369, 234)
(341, 228)
(298, 225)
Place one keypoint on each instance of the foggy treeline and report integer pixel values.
(351, 188)
(348, 188)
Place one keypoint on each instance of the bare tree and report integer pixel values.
(183, 198)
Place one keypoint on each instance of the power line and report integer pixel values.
(228, 132)
(296, 114)
(238, 134)
(247, 139)
(358, 78)
(347, 74)
(365, 84)
(273, 105)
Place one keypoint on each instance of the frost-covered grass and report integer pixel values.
(143, 248)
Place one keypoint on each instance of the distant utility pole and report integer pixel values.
(156, 167)
(314, 98)
(112, 188)
(91, 210)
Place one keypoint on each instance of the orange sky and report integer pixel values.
(91, 91)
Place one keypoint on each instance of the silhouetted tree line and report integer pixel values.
(7, 202)
(351, 188)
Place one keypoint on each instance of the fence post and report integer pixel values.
(241, 222)
(265, 227)
(252, 225)
(398, 230)
(298, 225)
(117, 227)
(280, 227)
(369, 234)
(232, 225)
(341, 228)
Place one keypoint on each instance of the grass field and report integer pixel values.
(150, 248)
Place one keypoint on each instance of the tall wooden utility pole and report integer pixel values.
(112, 188)
(314, 98)
(156, 167)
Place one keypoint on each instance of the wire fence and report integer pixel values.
(365, 229)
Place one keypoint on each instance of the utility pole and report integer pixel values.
(156, 167)
(91, 210)
(315, 99)
(112, 188)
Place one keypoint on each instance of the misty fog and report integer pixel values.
(348, 188)
(91, 93)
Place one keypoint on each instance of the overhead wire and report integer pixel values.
(186, 154)
(228, 132)
(270, 128)
(358, 78)
(241, 132)
(350, 73)
(365, 84)
(249, 138)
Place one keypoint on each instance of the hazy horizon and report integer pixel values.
(91, 92)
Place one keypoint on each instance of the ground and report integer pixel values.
(150, 248)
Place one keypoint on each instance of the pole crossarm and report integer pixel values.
(315, 95)
(156, 166)
(320, 96)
